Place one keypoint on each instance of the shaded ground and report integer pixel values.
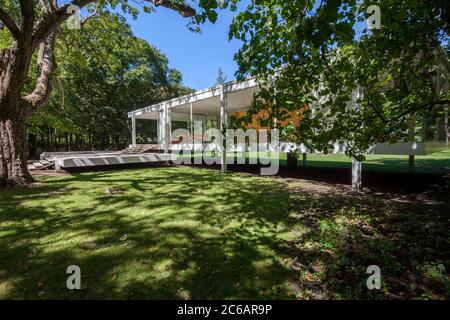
(48, 173)
(372, 181)
(193, 233)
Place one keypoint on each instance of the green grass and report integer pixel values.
(195, 233)
(438, 162)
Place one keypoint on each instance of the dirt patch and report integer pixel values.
(48, 173)
(318, 188)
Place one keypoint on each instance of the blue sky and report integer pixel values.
(197, 56)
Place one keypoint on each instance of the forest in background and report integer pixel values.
(104, 71)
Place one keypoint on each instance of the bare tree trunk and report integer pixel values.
(14, 109)
(13, 139)
(14, 153)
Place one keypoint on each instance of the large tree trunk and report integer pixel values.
(13, 152)
(13, 147)
(14, 109)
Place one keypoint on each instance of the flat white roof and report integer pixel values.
(205, 102)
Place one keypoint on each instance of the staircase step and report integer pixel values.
(38, 165)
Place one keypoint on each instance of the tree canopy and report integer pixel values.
(104, 71)
(318, 56)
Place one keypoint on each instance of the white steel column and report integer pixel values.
(411, 138)
(158, 132)
(356, 174)
(223, 127)
(191, 123)
(356, 165)
(133, 130)
(166, 129)
(160, 127)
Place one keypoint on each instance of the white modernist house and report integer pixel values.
(214, 104)
(219, 102)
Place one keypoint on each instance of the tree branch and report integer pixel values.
(185, 10)
(377, 111)
(330, 70)
(94, 15)
(53, 4)
(10, 24)
(425, 106)
(50, 22)
(44, 36)
(27, 13)
(46, 66)
(45, 6)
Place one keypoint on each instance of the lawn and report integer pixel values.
(431, 163)
(188, 233)
(438, 162)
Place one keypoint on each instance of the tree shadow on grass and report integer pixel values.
(119, 249)
(188, 233)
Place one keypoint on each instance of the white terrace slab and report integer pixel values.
(93, 160)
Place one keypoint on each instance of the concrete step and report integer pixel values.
(140, 148)
(41, 165)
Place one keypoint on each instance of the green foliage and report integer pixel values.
(5, 39)
(103, 72)
(317, 56)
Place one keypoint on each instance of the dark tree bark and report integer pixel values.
(15, 109)
(15, 64)
(14, 152)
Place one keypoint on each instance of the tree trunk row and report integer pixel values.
(52, 140)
